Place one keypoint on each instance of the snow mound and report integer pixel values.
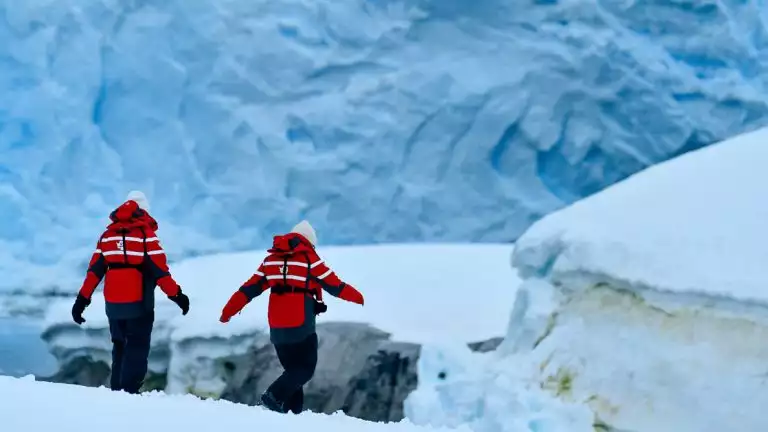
(397, 120)
(120, 412)
(695, 224)
(458, 387)
(645, 303)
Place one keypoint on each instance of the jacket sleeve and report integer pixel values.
(251, 289)
(97, 268)
(158, 266)
(334, 286)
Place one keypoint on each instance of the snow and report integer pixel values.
(645, 368)
(385, 121)
(642, 308)
(695, 224)
(488, 395)
(120, 412)
(608, 359)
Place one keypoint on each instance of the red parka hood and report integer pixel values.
(290, 243)
(130, 215)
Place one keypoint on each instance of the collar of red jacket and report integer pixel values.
(130, 215)
(290, 243)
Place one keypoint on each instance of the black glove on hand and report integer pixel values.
(320, 307)
(78, 308)
(182, 301)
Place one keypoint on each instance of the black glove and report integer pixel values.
(320, 307)
(78, 308)
(182, 300)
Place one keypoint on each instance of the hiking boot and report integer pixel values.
(271, 403)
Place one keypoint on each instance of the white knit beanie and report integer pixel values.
(140, 199)
(305, 229)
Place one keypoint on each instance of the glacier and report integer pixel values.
(378, 120)
(644, 304)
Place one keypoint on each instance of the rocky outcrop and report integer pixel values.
(360, 371)
(82, 371)
(486, 345)
(380, 390)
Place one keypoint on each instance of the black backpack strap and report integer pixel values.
(144, 236)
(285, 289)
(125, 247)
(118, 266)
(315, 293)
(285, 270)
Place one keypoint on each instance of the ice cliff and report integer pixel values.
(378, 120)
(645, 304)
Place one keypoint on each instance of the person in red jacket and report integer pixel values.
(296, 278)
(130, 257)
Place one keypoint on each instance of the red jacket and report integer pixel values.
(129, 254)
(296, 276)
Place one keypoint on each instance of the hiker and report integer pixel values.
(296, 276)
(131, 260)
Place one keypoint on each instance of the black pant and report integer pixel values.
(130, 351)
(299, 361)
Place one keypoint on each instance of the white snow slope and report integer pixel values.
(645, 303)
(388, 120)
(452, 294)
(29, 406)
(693, 225)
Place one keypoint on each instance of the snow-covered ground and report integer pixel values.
(451, 294)
(67, 408)
(398, 120)
(645, 303)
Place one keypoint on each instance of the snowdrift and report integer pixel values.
(414, 294)
(80, 409)
(645, 304)
(399, 120)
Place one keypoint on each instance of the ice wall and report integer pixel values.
(378, 120)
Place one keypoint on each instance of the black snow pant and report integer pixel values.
(299, 361)
(130, 351)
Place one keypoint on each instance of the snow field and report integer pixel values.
(30, 406)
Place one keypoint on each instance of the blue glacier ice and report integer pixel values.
(378, 120)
